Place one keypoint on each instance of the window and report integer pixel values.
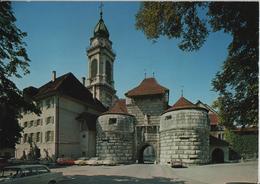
(93, 68)
(39, 105)
(48, 103)
(25, 124)
(49, 136)
(25, 138)
(31, 124)
(49, 120)
(219, 136)
(31, 137)
(108, 72)
(38, 122)
(112, 121)
(168, 117)
(38, 137)
(83, 136)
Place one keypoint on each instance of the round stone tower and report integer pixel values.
(115, 135)
(184, 134)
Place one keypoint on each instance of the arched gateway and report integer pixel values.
(146, 154)
(217, 156)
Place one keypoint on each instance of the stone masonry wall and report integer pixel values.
(188, 146)
(147, 111)
(115, 142)
(152, 106)
(184, 136)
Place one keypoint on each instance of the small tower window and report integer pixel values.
(93, 68)
(112, 121)
(168, 117)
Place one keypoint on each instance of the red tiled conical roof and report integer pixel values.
(118, 108)
(148, 86)
(183, 103)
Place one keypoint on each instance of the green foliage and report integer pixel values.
(174, 20)
(245, 145)
(34, 153)
(13, 58)
(237, 82)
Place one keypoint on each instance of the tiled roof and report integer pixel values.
(213, 118)
(70, 86)
(118, 108)
(213, 115)
(183, 103)
(148, 86)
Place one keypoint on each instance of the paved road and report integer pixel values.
(157, 174)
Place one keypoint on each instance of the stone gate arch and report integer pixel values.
(141, 152)
(217, 155)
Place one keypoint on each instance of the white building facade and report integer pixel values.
(59, 131)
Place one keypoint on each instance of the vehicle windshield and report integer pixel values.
(10, 172)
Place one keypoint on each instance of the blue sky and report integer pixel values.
(59, 33)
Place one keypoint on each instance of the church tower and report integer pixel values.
(101, 58)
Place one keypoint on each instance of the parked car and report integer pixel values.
(65, 161)
(29, 174)
(94, 161)
(14, 161)
(81, 161)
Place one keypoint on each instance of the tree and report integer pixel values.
(191, 22)
(13, 61)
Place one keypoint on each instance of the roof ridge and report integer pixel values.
(183, 103)
(148, 86)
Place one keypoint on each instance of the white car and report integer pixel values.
(29, 174)
(81, 161)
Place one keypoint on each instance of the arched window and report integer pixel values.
(93, 68)
(108, 71)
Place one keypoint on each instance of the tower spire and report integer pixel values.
(182, 90)
(101, 9)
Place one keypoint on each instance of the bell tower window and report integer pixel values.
(93, 68)
(108, 72)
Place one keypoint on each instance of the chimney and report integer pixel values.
(83, 81)
(53, 77)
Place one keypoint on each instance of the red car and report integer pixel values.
(65, 161)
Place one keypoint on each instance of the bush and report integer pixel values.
(245, 145)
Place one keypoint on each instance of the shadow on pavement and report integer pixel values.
(240, 183)
(103, 179)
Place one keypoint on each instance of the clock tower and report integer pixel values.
(100, 80)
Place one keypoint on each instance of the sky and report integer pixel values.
(59, 34)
